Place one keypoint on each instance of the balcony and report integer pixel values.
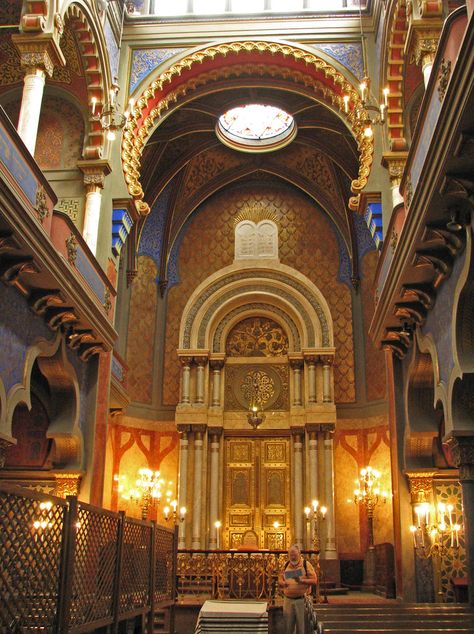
(44, 256)
(420, 247)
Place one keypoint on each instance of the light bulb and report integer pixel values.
(368, 132)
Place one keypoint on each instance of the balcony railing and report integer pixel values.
(232, 574)
(66, 566)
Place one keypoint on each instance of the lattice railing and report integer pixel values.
(31, 538)
(136, 566)
(66, 566)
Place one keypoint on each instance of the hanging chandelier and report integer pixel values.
(111, 118)
(366, 113)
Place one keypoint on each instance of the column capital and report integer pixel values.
(183, 429)
(214, 431)
(200, 359)
(395, 163)
(199, 429)
(420, 484)
(185, 360)
(217, 361)
(297, 431)
(424, 43)
(326, 359)
(296, 361)
(94, 173)
(38, 52)
(462, 451)
(328, 428)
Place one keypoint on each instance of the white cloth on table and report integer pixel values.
(232, 617)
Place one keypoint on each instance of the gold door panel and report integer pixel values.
(257, 495)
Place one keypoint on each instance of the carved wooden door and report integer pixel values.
(257, 493)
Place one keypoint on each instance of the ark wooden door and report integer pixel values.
(257, 492)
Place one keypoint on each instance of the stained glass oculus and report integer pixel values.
(256, 128)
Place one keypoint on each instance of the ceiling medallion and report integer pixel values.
(256, 128)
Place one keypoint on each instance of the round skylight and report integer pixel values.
(256, 128)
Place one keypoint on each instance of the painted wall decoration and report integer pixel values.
(19, 329)
(141, 333)
(134, 444)
(60, 135)
(144, 61)
(349, 55)
(213, 229)
(358, 443)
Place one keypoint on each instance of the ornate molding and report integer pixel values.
(331, 86)
(94, 173)
(443, 77)
(67, 484)
(424, 46)
(462, 451)
(420, 485)
(71, 248)
(40, 51)
(41, 204)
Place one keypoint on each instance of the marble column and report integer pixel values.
(311, 365)
(214, 486)
(94, 181)
(216, 367)
(200, 362)
(330, 550)
(197, 490)
(296, 365)
(313, 464)
(327, 362)
(462, 450)
(183, 483)
(30, 109)
(185, 379)
(298, 488)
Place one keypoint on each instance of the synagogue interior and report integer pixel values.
(236, 307)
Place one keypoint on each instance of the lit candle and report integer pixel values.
(182, 513)
(166, 511)
(217, 524)
(323, 511)
(413, 532)
(363, 88)
(385, 96)
(112, 96)
(346, 103)
(93, 103)
(457, 528)
(382, 112)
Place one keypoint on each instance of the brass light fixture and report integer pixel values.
(111, 118)
(255, 415)
(365, 112)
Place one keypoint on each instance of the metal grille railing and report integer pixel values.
(95, 561)
(31, 536)
(165, 565)
(68, 567)
(135, 567)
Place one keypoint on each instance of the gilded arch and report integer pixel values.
(231, 290)
(326, 83)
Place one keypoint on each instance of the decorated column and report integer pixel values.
(313, 464)
(311, 367)
(327, 360)
(462, 450)
(183, 480)
(94, 181)
(330, 550)
(296, 366)
(216, 365)
(200, 362)
(214, 487)
(298, 487)
(38, 57)
(197, 489)
(185, 379)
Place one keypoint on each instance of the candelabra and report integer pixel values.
(171, 512)
(435, 535)
(147, 491)
(314, 513)
(368, 495)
